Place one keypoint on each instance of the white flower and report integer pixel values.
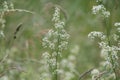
(106, 13)
(72, 58)
(4, 78)
(52, 62)
(75, 49)
(103, 45)
(107, 65)
(63, 45)
(59, 24)
(104, 53)
(95, 72)
(117, 24)
(46, 55)
(94, 34)
(56, 40)
(118, 29)
(5, 5)
(68, 76)
(115, 37)
(1, 34)
(56, 15)
(98, 8)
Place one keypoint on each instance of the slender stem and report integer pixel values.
(57, 55)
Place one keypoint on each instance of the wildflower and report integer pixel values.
(104, 53)
(4, 78)
(50, 40)
(94, 34)
(75, 49)
(118, 29)
(94, 73)
(107, 65)
(56, 15)
(46, 55)
(56, 40)
(2, 34)
(100, 9)
(5, 6)
(68, 76)
(115, 37)
(117, 24)
(106, 13)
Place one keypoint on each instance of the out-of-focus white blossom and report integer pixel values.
(71, 58)
(75, 49)
(106, 13)
(96, 34)
(94, 73)
(5, 6)
(67, 68)
(115, 37)
(118, 29)
(46, 55)
(2, 34)
(104, 53)
(100, 9)
(107, 50)
(106, 64)
(68, 76)
(4, 78)
(117, 24)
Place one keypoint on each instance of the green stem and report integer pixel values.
(57, 56)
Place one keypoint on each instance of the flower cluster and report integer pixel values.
(100, 9)
(57, 37)
(66, 69)
(95, 34)
(1, 34)
(117, 24)
(67, 66)
(109, 53)
(55, 40)
(44, 69)
(95, 73)
(109, 45)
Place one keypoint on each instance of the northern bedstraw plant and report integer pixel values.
(56, 40)
(109, 44)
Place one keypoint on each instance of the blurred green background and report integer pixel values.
(26, 50)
